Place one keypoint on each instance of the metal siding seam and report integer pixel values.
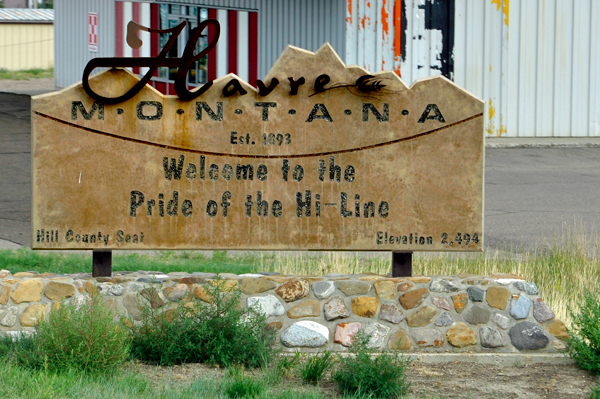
(511, 80)
(594, 66)
(581, 59)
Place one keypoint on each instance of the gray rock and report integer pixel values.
(136, 287)
(529, 288)
(8, 315)
(428, 337)
(205, 275)
(151, 280)
(132, 305)
(269, 305)
(269, 273)
(377, 334)
(528, 336)
(477, 314)
(475, 294)
(350, 287)
(542, 312)
(519, 307)
(391, 313)
(441, 302)
(444, 320)
(501, 320)
(442, 285)
(490, 337)
(111, 289)
(335, 309)
(323, 289)
(306, 334)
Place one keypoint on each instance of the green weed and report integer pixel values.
(316, 366)
(381, 376)
(584, 342)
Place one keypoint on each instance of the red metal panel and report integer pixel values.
(212, 57)
(119, 28)
(232, 41)
(253, 47)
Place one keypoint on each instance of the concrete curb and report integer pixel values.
(498, 359)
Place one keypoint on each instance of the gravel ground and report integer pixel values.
(447, 380)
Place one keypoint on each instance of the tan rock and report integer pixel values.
(414, 298)
(558, 329)
(56, 291)
(460, 301)
(403, 287)
(55, 306)
(201, 293)
(28, 291)
(176, 292)
(313, 279)
(91, 288)
(279, 279)
(11, 281)
(385, 289)
(252, 286)
(4, 273)
(4, 293)
(225, 285)
(419, 280)
(293, 290)
(344, 332)
(307, 308)
(365, 306)
(353, 287)
(460, 335)
(497, 297)
(422, 317)
(132, 305)
(370, 278)
(24, 274)
(399, 341)
(559, 345)
(33, 315)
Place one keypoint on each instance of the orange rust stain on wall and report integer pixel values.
(363, 20)
(349, 19)
(384, 20)
(397, 34)
(504, 4)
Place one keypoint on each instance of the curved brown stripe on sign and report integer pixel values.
(218, 154)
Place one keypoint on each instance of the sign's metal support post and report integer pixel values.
(102, 263)
(402, 264)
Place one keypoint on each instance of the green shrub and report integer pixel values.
(584, 342)
(80, 337)
(383, 376)
(316, 366)
(222, 332)
(237, 385)
(595, 394)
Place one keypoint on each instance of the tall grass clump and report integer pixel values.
(584, 341)
(380, 376)
(237, 385)
(221, 332)
(77, 337)
(316, 367)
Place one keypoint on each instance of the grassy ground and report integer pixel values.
(26, 74)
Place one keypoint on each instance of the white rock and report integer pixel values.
(377, 334)
(501, 320)
(268, 304)
(305, 333)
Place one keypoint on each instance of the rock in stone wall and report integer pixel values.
(442, 314)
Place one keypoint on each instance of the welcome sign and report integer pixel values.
(320, 157)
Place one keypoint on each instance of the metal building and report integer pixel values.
(532, 61)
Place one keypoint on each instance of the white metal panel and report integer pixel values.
(242, 50)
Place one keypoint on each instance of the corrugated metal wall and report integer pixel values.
(534, 62)
(71, 37)
(26, 46)
(302, 23)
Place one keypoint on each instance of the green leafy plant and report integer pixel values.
(595, 394)
(380, 376)
(584, 342)
(238, 385)
(316, 366)
(220, 332)
(77, 336)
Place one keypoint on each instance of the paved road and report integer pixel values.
(531, 193)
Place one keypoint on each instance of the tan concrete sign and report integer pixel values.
(322, 157)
